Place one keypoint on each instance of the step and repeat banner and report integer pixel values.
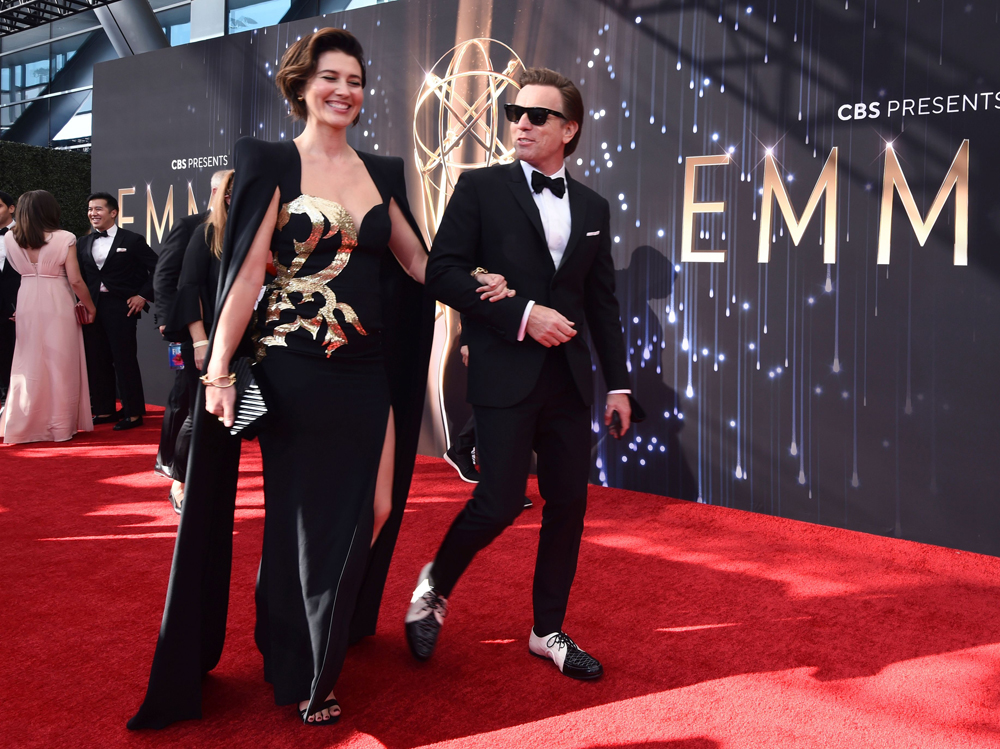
(804, 208)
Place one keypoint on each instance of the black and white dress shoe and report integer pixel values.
(425, 616)
(464, 464)
(561, 650)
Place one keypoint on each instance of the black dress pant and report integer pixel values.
(8, 336)
(175, 435)
(112, 356)
(554, 421)
(465, 442)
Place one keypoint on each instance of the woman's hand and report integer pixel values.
(493, 287)
(221, 401)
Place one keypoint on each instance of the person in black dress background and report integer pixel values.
(192, 314)
(181, 397)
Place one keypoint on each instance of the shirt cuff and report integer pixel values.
(625, 392)
(524, 321)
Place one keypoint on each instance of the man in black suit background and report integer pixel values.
(10, 282)
(530, 373)
(117, 266)
(168, 272)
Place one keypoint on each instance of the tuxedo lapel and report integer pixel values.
(522, 192)
(86, 253)
(113, 252)
(577, 215)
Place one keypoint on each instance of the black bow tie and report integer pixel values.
(4, 231)
(102, 234)
(539, 182)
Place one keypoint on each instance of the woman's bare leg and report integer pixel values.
(383, 484)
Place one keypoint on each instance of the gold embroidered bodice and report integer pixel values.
(326, 279)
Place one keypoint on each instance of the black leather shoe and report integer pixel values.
(124, 424)
(528, 504)
(561, 650)
(425, 616)
(109, 419)
(462, 462)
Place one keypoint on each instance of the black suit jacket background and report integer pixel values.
(169, 264)
(127, 271)
(492, 221)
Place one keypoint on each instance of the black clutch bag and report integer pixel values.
(250, 407)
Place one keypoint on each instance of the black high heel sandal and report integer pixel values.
(325, 706)
(173, 501)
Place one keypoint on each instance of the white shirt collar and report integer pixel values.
(111, 232)
(528, 169)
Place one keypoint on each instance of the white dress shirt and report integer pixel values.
(100, 248)
(557, 223)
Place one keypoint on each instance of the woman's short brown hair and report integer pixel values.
(37, 212)
(572, 101)
(300, 60)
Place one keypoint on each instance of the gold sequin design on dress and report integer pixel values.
(321, 213)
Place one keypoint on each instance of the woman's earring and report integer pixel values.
(301, 98)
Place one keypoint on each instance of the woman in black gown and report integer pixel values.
(342, 341)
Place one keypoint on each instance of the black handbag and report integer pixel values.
(250, 407)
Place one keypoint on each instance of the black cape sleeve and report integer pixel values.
(194, 618)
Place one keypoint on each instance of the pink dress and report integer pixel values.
(49, 399)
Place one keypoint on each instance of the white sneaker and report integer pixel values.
(425, 616)
(561, 650)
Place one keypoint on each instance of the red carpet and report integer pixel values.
(717, 628)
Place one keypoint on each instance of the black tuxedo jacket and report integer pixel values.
(10, 282)
(492, 222)
(127, 271)
(169, 264)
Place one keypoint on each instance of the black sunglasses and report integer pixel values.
(536, 115)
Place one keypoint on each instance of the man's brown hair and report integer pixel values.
(37, 212)
(572, 101)
(300, 60)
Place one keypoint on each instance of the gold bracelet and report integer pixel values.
(200, 344)
(230, 380)
(476, 271)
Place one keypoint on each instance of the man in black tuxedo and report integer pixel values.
(10, 282)
(530, 373)
(168, 272)
(117, 266)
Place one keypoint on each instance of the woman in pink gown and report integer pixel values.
(49, 399)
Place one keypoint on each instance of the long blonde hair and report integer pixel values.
(219, 212)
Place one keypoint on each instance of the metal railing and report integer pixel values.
(20, 15)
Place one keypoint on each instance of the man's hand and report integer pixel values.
(548, 327)
(465, 355)
(619, 402)
(135, 305)
(493, 287)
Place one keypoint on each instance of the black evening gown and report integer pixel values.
(341, 335)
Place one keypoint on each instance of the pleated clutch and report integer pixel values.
(251, 409)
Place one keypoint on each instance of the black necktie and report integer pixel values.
(539, 182)
(102, 234)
